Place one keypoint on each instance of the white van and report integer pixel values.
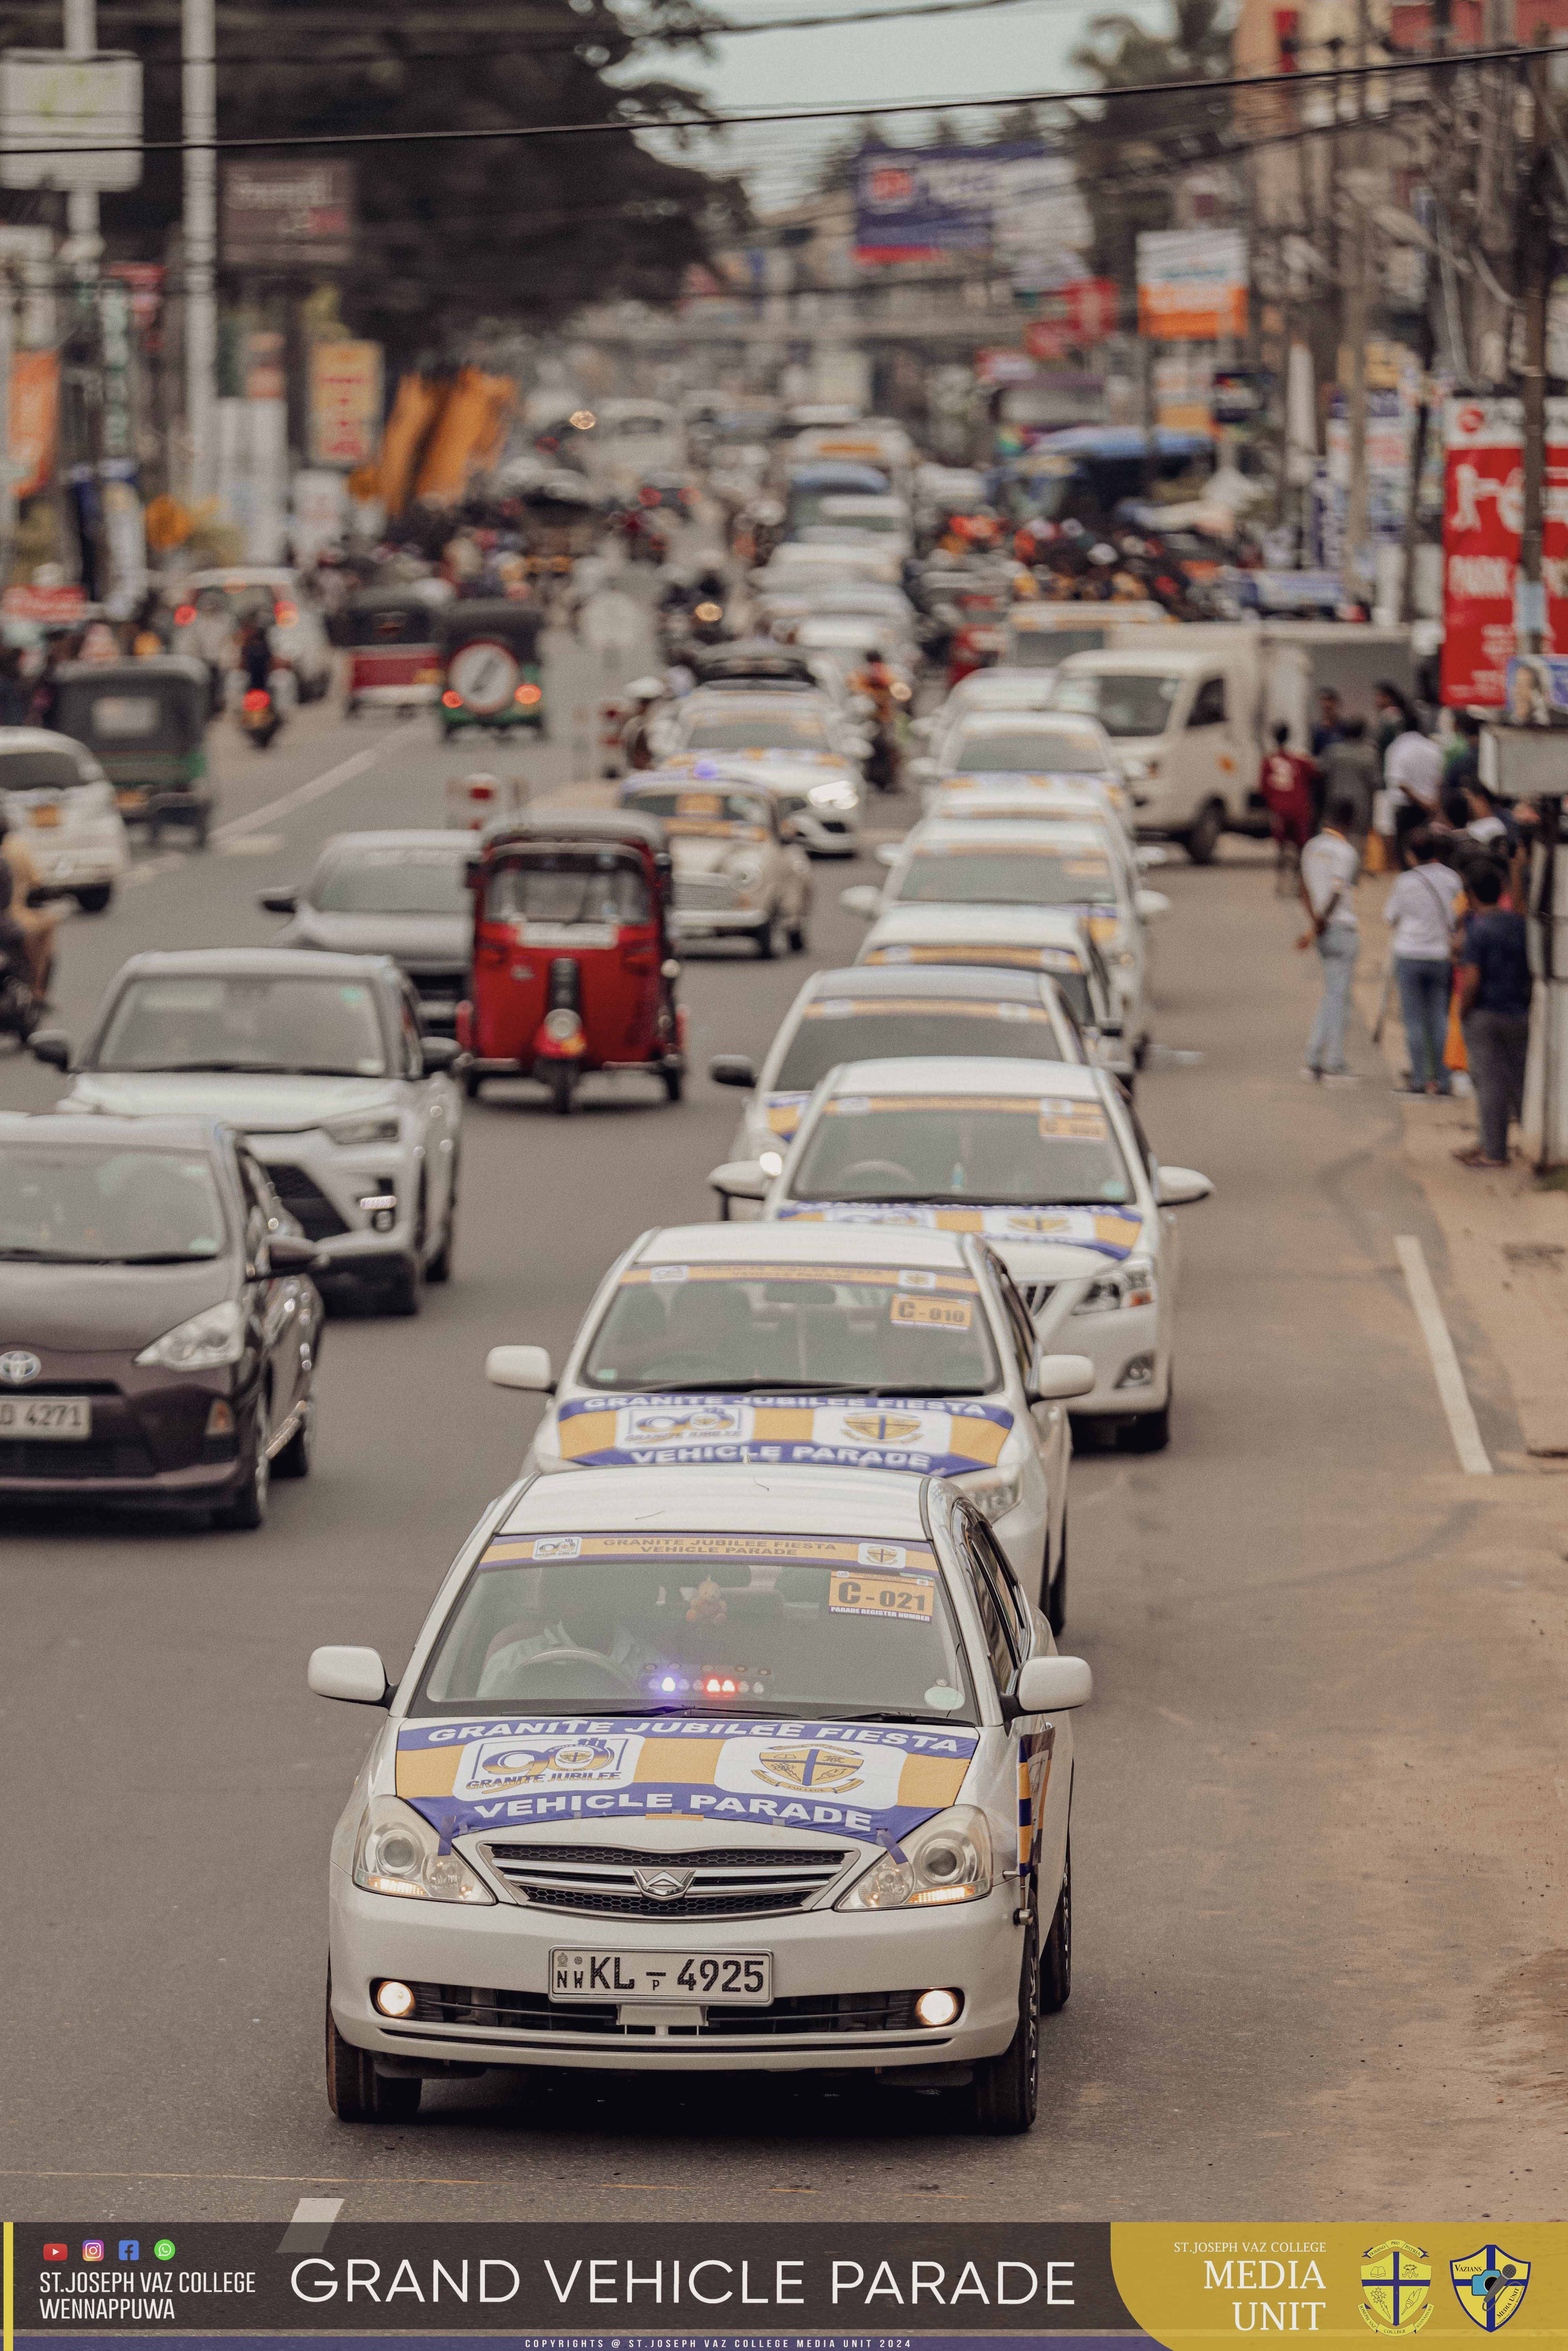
(630, 439)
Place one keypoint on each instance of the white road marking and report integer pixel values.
(317, 2207)
(1451, 1389)
(311, 2221)
(300, 797)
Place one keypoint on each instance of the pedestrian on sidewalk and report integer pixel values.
(1494, 1005)
(1413, 773)
(1329, 869)
(1420, 910)
(1350, 773)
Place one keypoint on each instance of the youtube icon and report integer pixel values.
(56, 2252)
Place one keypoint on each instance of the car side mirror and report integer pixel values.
(520, 1367)
(438, 1053)
(741, 1179)
(1147, 858)
(1178, 1188)
(862, 898)
(292, 1253)
(1151, 905)
(922, 769)
(1058, 1377)
(669, 968)
(278, 902)
(887, 852)
(356, 1676)
(50, 1045)
(1053, 1685)
(732, 1070)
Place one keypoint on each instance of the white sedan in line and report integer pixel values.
(1087, 797)
(60, 801)
(1077, 866)
(1046, 1161)
(1049, 939)
(798, 1348)
(736, 1773)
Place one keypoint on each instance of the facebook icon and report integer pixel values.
(130, 2249)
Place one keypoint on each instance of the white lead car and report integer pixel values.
(721, 1773)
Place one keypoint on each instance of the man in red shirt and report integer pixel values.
(1285, 781)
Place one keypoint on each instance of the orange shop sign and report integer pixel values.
(1192, 284)
(346, 396)
(35, 421)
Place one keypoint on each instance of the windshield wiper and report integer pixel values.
(51, 1257)
(214, 1069)
(161, 1257)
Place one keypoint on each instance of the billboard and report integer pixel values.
(53, 104)
(1483, 518)
(35, 421)
(278, 217)
(1192, 284)
(345, 403)
(1020, 203)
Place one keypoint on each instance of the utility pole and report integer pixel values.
(1534, 284)
(199, 97)
(1352, 582)
(81, 204)
(1437, 116)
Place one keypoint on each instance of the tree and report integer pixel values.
(1129, 155)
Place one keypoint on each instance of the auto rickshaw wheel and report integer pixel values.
(95, 898)
(562, 1079)
(472, 1082)
(674, 1084)
(767, 939)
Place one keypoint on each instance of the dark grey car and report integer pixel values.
(394, 894)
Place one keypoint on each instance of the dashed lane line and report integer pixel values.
(300, 797)
(1451, 1390)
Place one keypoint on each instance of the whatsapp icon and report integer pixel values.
(163, 2251)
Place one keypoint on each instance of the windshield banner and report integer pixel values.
(874, 1784)
(1112, 1232)
(652, 1431)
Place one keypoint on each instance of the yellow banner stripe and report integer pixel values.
(932, 1779)
(685, 1761)
(427, 1771)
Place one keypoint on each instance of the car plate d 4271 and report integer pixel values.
(738, 1976)
(46, 1416)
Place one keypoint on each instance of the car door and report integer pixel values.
(1166, 1253)
(1053, 1442)
(1044, 1746)
(1209, 750)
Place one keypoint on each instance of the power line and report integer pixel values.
(1215, 86)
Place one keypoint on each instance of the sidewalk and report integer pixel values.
(1507, 1235)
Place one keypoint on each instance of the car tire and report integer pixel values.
(767, 939)
(1201, 840)
(96, 899)
(674, 1084)
(404, 1291)
(798, 940)
(1056, 1590)
(562, 1079)
(1056, 1953)
(1151, 1432)
(1004, 2096)
(356, 2093)
(440, 1265)
(294, 1460)
(245, 1508)
(472, 1082)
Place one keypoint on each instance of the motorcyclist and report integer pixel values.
(254, 654)
(644, 694)
(875, 680)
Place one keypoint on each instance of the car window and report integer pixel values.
(1209, 703)
(569, 887)
(1016, 1607)
(1019, 1323)
(1002, 1641)
(966, 872)
(90, 1203)
(413, 1044)
(837, 1028)
(401, 880)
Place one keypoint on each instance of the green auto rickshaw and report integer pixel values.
(490, 665)
(146, 722)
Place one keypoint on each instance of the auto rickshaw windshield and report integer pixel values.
(570, 885)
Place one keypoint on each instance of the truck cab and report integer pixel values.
(1183, 721)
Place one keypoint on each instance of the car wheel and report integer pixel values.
(440, 1265)
(96, 899)
(1055, 1958)
(1004, 2096)
(294, 1461)
(798, 937)
(1151, 1432)
(561, 1081)
(674, 1084)
(247, 1506)
(1056, 1590)
(1201, 840)
(355, 2091)
(767, 939)
(403, 1292)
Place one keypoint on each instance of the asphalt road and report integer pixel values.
(1319, 1964)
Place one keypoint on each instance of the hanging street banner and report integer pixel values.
(1192, 284)
(283, 216)
(1020, 203)
(1483, 518)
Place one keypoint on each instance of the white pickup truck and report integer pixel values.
(1191, 711)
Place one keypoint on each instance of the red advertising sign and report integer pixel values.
(1071, 318)
(1483, 516)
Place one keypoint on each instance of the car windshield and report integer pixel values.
(79, 1205)
(759, 1625)
(1007, 1151)
(771, 1326)
(841, 1028)
(1027, 748)
(1045, 648)
(307, 1026)
(963, 875)
(777, 728)
(1127, 703)
(391, 881)
(1062, 963)
(45, 769)
(688, 813)
(570, 887)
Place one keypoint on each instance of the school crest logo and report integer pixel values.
(1395, 2288)
(698, 1423)
(1490, 2285)
(882, 1427)
(577, 1758)
(821, 1770)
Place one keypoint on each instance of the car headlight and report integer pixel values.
(1123, 957)
(834, 795)
(398, 1852)
(212, 1338)
(994, 1492)
(947, 1859)
(1132, 1284)
(745, 872)
(383, 1127)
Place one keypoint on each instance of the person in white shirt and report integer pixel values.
(1330, 866)
(1413, 773)
(1420, 909)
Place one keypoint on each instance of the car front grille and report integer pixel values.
(847, 2013)
(1037, 1296)
(703, 892)
(742, 1882)
(24, 1457)
(307, 1203)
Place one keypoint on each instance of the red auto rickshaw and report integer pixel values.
(572, 964)
(394, 660)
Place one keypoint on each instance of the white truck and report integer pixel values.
(1191, 710)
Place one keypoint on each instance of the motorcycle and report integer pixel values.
(20, 1010)
(883, 760)
(260, 717)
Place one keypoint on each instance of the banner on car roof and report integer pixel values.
(660, 1432)
(1113, 1232)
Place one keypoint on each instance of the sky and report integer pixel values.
(1011, 49)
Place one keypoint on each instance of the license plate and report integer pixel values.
(740, 1976)
(45, 813)
(130, 798)
(46, 1417)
